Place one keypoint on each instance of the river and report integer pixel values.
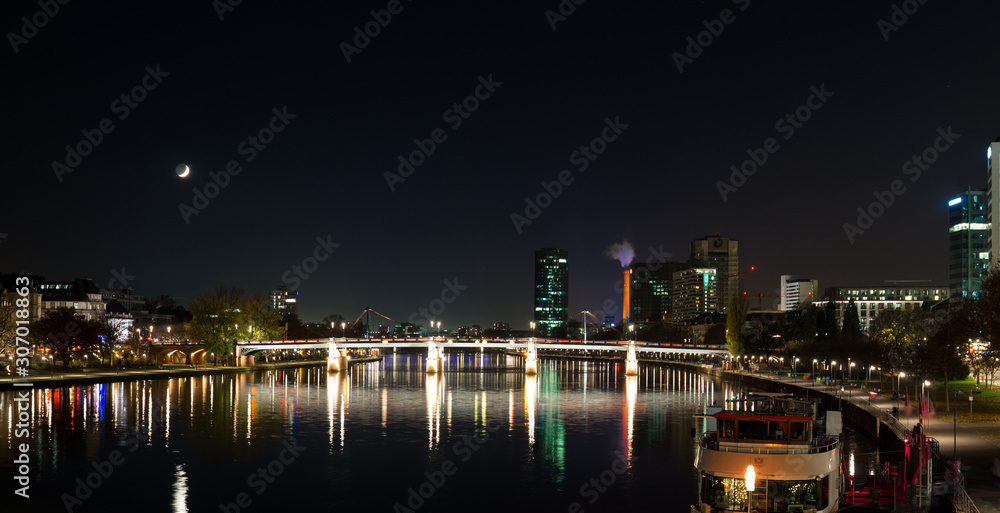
(480, 436)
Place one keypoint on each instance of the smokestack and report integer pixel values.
(626, 302)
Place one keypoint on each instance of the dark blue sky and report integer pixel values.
(324, 176)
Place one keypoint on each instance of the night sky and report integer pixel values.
(324, 174)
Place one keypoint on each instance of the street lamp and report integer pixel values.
(815, 361)
(850, 371)
(749, 479)
(832, 365)
(923, 398)
(794, 362)
(343, 330)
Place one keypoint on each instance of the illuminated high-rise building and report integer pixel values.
(696, 292)
(648, 294)
(719, 253)
(797, 293)
(284, 301)
(993, 207)
(969, 231)
(551, 291)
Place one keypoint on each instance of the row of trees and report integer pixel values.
(65, 334)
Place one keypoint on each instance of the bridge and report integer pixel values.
(192, 352)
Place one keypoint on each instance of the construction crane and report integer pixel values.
(723, 278)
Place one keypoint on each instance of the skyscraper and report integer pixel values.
(797, 292)
(993, 191)
(284, 301)
(719, 253)
(969, 235)
(649, 292)
(551, 291)
(695, 292)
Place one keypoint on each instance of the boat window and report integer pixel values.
(727, 429)
(799, 431)
(731, 494)
(791, 495)
(752, 429)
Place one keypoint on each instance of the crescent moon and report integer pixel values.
(187, 171)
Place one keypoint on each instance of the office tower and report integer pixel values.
(968, 242)
(696, 291)
(648, 294)
(719, 253)
(551, 291)
(797, 292)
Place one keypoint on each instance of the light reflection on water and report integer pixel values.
(371, 434)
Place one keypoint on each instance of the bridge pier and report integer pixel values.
(335, 360)
(531, 360)
(433, 359)
(631, 362)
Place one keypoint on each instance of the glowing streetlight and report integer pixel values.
(532, 323)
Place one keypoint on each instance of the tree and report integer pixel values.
(60, 331)
(736, 319)
(8, 327)
(852, 322)
(296, 331)
(830, 325)
(260, 320)
(810, 323)
(896, 332)
(941, 357)
(217, 317)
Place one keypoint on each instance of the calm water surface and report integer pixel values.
(480, 436)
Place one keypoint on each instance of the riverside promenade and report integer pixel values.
(974, 443)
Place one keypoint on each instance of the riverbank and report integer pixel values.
(973, 443)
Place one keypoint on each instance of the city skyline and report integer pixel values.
(457, 140)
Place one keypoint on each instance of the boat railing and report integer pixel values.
(815, 446)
